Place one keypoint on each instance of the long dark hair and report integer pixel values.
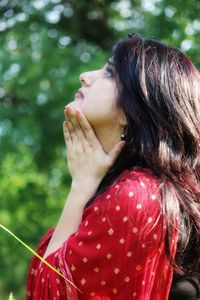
(159, 92)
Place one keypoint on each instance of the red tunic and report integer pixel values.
(117, 252)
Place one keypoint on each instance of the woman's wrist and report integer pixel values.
(87, 185)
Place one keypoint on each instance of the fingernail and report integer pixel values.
(68, 109)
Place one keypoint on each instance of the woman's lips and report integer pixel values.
(79, 94)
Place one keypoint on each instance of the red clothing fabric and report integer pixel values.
(117, 252)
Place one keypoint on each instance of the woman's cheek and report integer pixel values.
(97, 117)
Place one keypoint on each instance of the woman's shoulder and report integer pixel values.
(136, 189)
(139, 174)
(138, 181)
(130, 204)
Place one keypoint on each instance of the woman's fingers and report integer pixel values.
(76, 133)
(80, 129)
(66, 134)
(71, 126)
(86, 128)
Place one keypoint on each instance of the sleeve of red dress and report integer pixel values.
(119, 234)
(123, 226)
(44, 283)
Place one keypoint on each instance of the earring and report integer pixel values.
(123, 135)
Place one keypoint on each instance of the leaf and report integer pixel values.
(11, 297)
(37, 255)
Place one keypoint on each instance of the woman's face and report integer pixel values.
(98, 96)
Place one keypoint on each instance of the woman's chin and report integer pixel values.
(75, 104)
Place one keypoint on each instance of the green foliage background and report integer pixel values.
(45, 45)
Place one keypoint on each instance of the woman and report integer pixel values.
(132, 217)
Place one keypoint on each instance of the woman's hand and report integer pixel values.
(87, 161)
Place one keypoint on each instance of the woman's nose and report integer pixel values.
(85, 79)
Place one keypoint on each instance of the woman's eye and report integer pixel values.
(109, 72)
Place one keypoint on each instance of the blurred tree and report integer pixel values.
(45, 45)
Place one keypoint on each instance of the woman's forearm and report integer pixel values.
(88, 163)
(71, 215)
